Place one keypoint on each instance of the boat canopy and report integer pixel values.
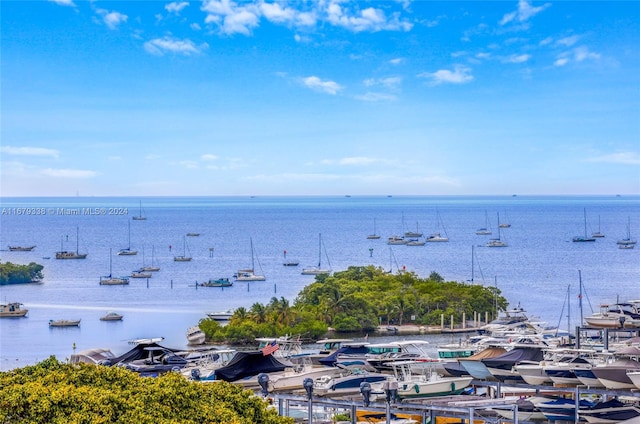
(246, 364)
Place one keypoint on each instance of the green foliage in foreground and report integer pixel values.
(18, 274)
(51, 392)
(359, 299)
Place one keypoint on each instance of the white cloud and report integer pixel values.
(459, 75)
(358, 160)
(396, 61)
(276, 13)
(578, 54)
(625, 158)
(68, 173)
(520, 58)
(376, 97)
(568, 41)
(582, 53)
(64, 2)
(112, 19)
(175, 7)
(208, 157)
(29, 151)
(160, 46)
(389, 82)
(524, 13)
(230, 17)
(189, 164)
(315, 83)
(369, 19)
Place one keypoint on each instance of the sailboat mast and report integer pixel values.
(252, 258)
(472, 262)
(319, 250)
(77, 240)
(569, 311)
(580, 296)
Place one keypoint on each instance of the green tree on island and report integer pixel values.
(19, 274)
(358, 299)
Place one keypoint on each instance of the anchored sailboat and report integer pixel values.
(374, 236)
(110, 280)
(249, 274)
(128, 251)
(64, 254)
(315, 270)
(584, 238)
(141, 216)
(183, 257)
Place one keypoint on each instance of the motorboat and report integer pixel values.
(64, 323)
(203, 364)
(396, 240)
(111, 316)
(634, 376)
(12, 310)
(139, 273)
(474, 365)
(436, 237)
(216, 282)
(286, 345)
(195, 336)
(616, 315)
(292, 378)
(428, 383)
(347, 383)
(610, 411)
(159, 360)
(21, 248)
(527, 411)
(502, 366)
(614, 375)
(507, 321)
(95, 356)
(560, 409)
(221, 316)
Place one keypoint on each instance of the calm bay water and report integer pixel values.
(535, 270)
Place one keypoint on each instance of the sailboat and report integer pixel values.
(110, 280)
(64, 254)
(315, 270)
(183, 257)
(141, 272)
(141, 216)
(128, 251)
(496, 242)
(151, 267)
(438, 236)
(249, 274)
(413, 234)
(627, 242)
(486, 230)
(585, 237)
(373, 236)
(598, 234)
(504, 224)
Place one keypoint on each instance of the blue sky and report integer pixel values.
(319, 98)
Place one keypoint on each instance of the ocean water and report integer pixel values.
(537, 270)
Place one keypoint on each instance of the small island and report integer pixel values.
(360, 299)
(20, 274)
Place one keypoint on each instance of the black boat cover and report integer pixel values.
(139, 351)
(331, 360)
(514, 356)
(245, 364)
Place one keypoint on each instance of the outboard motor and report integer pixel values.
(263, 380)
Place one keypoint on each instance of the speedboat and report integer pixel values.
(347, 383)
(195, 336)
(426, 384)
(64, 323)
(611, 411)
(111, 316)
(21, 248)
(221, 316)
(617, 315)
(158, 361)
(614, 375)
(217, 282)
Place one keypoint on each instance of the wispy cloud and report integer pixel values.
(112, 19)
(327, 86)
(350, 161)
(568, 41)
(578, 54)
(390, 83)
(161, 46)
(209, 157)
(376, 97)
(176, 7)
(29, 151)
(69, 3)
(69, 173)
(459, 75)
(625, 158)
(525, 12)
(517, 58)
(397, 61)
